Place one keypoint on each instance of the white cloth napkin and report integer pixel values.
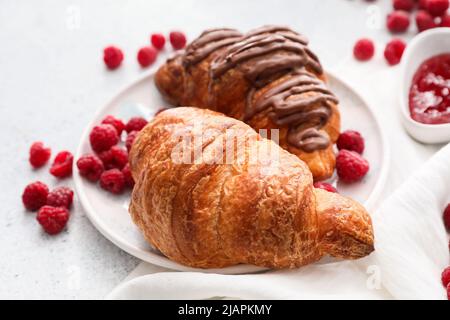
(411, 243)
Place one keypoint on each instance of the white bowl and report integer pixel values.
(425, 45)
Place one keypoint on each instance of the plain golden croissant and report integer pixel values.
(211, 192)
(268, 78)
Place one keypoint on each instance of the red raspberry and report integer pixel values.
(35, 195)
(398, 21)
(107, 158)
(103, 137)
(112, 56)
(447, 217)
(146, 56)
(116, 123)
(116, 157)
(445, 277)
(363, 49)
(135, 124)
(60, 197)
(130, 139)
(351, 140)
(350, 166)
(53, 219)
(90, 167)
(120, 157)
(177, 40)
(158, 40)
(437, 7)
(113, 181)
(445, 20)
(423, 4)
(129, 181)
(448, 291)
(62, 165)
(424, 21)
(406, 5)
(394, 51)
(325, 186)
(39, 155)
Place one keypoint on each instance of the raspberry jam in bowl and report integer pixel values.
(429, 95)
(425, 86)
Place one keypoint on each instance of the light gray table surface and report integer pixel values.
(52, 81)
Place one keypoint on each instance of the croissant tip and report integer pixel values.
(350, 248)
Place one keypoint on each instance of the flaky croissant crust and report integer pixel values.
(259, 210)
(216, 72)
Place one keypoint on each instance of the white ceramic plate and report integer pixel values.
(109, 213)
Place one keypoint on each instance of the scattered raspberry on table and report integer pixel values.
(364, 49)
(398, 21)
(350, 166)
(112, 56)
(113, 181)
(394, 51)
(90, 167)
(35, 195)
(52, 219)
(447, 217)
(62, 165)
(406, 5)
(60, 197)
(103, 137)
(437, 7)
(177, 40)
(146, 56)
(39, 154)
(158, 41)
(115, 122)
(325, 186)
(445, 277)
(424, 21)
(351, 140)
(423, 4)
(135, 124)
(448, 292)
(445, 21)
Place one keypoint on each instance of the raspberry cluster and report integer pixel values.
(350, 164)
(147, 55)
(108, 165)
(430, 14)
(53, 207)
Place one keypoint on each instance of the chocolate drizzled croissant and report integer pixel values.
(258, 208)
(268, 78)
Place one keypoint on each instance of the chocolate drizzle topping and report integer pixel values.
(287, 106)
(208, 42)
(260, 42)
(301, 102)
